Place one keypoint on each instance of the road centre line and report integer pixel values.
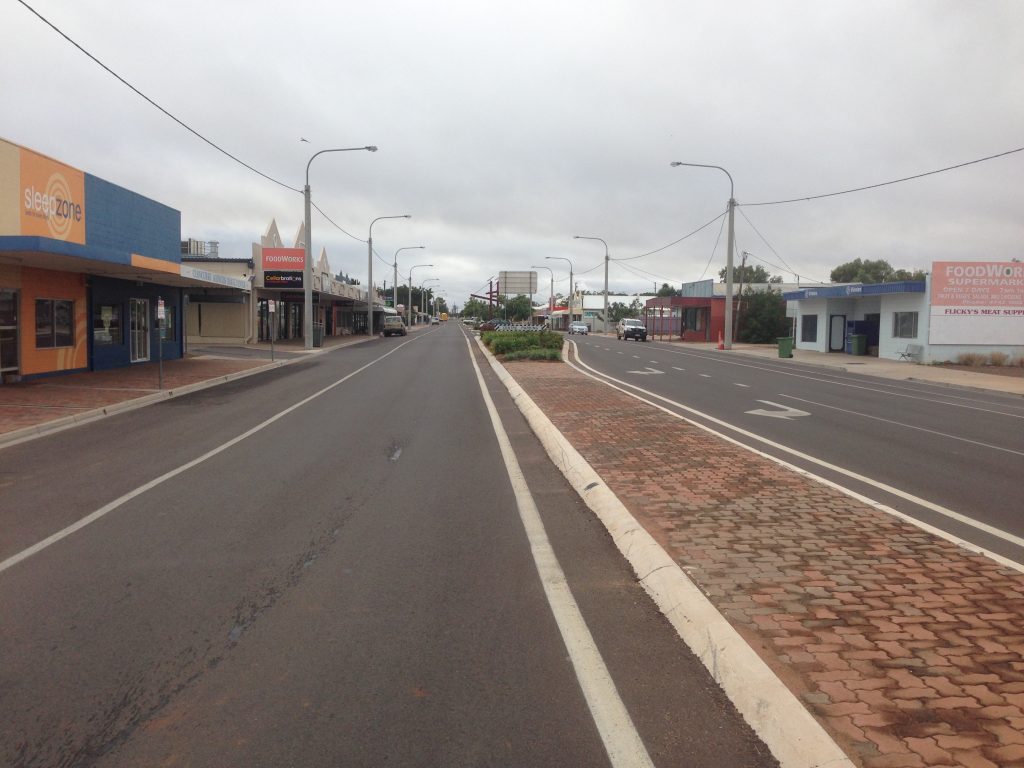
(901, 424)
(674, 368)
(106, 509)
(618, 733)
(937, 508)
(737, 384)
(854, 386)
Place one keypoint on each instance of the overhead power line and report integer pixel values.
(887, 183)
(184, 125)
(674, 242)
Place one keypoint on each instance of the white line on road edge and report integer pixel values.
(605, 379)
(122, 500)
(778, 718)
(618, 733)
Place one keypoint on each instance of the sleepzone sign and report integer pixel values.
(52, 199)
(977, 302)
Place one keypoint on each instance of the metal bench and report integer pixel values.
(911, 352)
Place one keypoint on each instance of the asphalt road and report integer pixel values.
(931, 446)
(323, 565)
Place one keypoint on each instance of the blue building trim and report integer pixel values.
(853, 291)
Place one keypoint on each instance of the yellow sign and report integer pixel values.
(53, 199)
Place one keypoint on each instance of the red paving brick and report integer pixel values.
(908, 649)
(35, 402)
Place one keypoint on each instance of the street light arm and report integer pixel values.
(345, 149)
(676, 164)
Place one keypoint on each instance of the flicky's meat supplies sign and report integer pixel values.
(977, 302)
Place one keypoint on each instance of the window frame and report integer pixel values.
(898, 320)
(54, 336)
(809, 330)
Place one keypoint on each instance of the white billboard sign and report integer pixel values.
(977, 302)
(515, 283)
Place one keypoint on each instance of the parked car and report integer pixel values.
(579, 328)
(435, 321)
(394, 325)
(631, 328)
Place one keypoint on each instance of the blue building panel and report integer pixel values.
(118, 293)
(120, 220)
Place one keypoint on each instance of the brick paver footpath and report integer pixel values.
(907, 648)
(31, 403)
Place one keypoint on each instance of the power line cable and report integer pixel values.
(674, 242)
(153, 103)
(713, 251)
(786, 267)
(887, 183)
(334, 223)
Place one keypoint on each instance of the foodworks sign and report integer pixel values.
(284, 259)
(50, 196)
(977, 302)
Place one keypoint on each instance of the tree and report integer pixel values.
(747, 274)
(518, 307)
(879, 271)
(763, 318)
(474, 308)
(666, 290)
(617, 310)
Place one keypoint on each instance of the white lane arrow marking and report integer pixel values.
(785, 413)
(646, 371)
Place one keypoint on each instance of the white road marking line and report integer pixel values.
(908, 426)
(677, 369)
(944, 401)
(705, 375)
(618, 733)
(737, 384)
(938, 508)
(122, 500)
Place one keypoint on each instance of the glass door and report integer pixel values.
(139, 311)
(8, 331)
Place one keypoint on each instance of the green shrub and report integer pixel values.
(503, 342)
(535, 353)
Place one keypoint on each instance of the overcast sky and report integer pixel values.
(505, 128)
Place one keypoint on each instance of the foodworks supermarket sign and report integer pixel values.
(284, 259)
(977, 302)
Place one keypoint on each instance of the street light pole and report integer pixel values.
(551, 297)
(728, 259)
(426, 299)
(408, 310)
(369, 271)
(307, 270)
(606, 260)
(394, 284)
(571, 287)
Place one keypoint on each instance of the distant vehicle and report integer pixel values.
(579, 328)
(435, 320)
(631, 328)
(444, 317)
(394, 325)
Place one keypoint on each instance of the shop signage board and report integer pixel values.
(977, 302)
(282, 279)
(284, 259)
(516, 283)
(50, 196)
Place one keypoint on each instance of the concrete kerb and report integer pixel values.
(776, 715)
(57, 425)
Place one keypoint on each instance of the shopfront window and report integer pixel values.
(904, 325)
(106, 325)
(170, 325)
(809, 328)
(55, 323)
